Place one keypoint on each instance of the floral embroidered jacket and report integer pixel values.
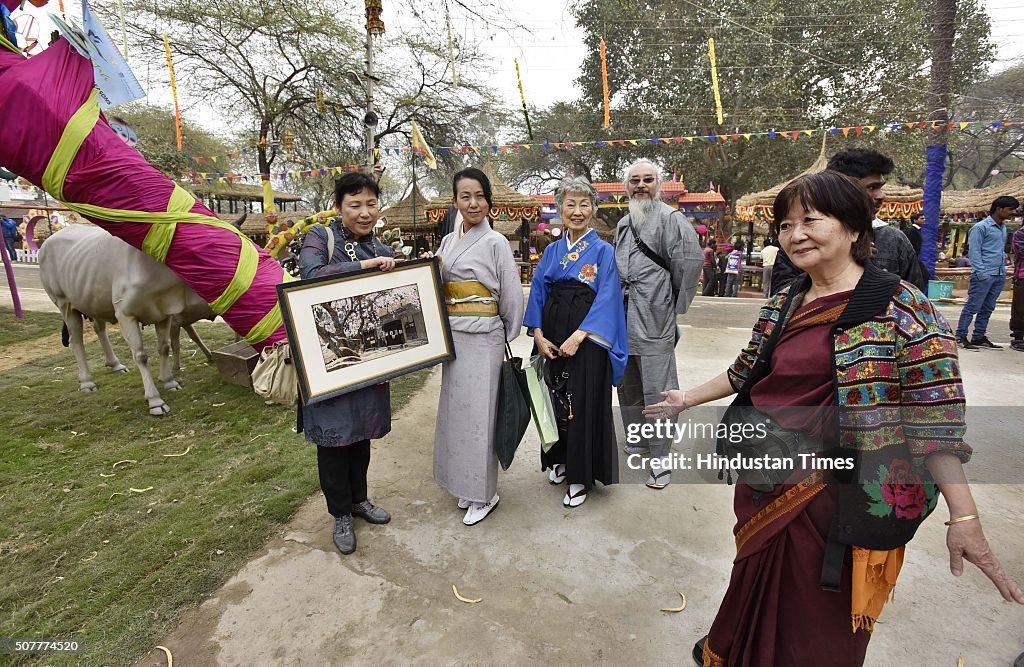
(590, 261)
(900, 399)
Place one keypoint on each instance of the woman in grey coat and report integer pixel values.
(342, 427)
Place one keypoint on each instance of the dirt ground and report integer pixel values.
(578, 586)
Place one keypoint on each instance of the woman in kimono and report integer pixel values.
(485, 309)
(342, 427)
(579, 325)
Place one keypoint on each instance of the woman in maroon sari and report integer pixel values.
(864, 365)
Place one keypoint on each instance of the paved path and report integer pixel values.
(581, 586)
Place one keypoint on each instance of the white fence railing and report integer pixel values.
(28, 256)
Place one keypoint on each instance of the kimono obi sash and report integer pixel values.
(469, 298)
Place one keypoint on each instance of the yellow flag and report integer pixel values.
(418, 144)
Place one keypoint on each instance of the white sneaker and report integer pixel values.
(477, 512)
(463, 504)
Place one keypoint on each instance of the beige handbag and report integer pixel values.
(274, 377)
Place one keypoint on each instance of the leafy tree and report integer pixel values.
(976, 151)
(260, 60)
(158, 140)
(782, 65)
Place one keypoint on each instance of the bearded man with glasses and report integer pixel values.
(659, 260)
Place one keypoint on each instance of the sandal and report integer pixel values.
(557, 474)
(575, 499)
(654, 481)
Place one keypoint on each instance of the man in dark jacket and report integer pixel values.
(893, 251)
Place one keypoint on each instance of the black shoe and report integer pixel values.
(1017, 345)
(344, 535)
(961, 341)
(985, 342)
(698, 650)
(370, 512)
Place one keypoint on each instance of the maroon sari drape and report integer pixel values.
(775, 613)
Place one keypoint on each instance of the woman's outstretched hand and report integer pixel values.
(966, 540)
(674, 403)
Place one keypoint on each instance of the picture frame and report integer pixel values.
(358, 329)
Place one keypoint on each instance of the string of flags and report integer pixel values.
(279, 176)
(793, 135)
(310, 170)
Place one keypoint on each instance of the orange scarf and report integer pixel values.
(874, 578)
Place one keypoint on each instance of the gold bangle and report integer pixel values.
(969, 517)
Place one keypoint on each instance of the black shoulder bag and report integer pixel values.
(761, 435)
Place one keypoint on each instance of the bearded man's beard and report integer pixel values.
(641, 210)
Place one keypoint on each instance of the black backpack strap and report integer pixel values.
(764, 358)
(654, 257)
(646, 249)
(832, 565)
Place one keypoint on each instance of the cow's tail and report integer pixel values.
(65, 335)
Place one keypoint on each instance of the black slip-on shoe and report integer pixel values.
(698, 651)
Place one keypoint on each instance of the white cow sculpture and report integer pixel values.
(87, 272)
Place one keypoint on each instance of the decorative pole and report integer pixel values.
(374, 28)
(943, 33)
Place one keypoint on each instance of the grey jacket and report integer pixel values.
(647, 288)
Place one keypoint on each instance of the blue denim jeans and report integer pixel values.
(982, 293)
(732, 284)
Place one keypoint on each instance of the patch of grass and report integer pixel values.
(84, 555)
(31, 325)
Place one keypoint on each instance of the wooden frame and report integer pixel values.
(354, 330)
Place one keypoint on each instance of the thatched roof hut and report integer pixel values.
(509, 206)
(402, 215)
(901, 201)
(966, 205)
(240, 192)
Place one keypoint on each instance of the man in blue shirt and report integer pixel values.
(987, 240)
(10, 235)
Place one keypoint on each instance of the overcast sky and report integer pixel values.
(549, 55)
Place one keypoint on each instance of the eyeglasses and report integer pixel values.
(646, 180)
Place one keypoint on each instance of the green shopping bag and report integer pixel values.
(513, 415)
(541, 407)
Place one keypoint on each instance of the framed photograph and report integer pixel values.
(358, 329)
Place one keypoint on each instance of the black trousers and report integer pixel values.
(710, 281)
(343, 475)
(1017, 311)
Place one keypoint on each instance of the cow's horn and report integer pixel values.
(237, 224)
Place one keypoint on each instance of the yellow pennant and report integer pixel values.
(174, 91)
(714, 79)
